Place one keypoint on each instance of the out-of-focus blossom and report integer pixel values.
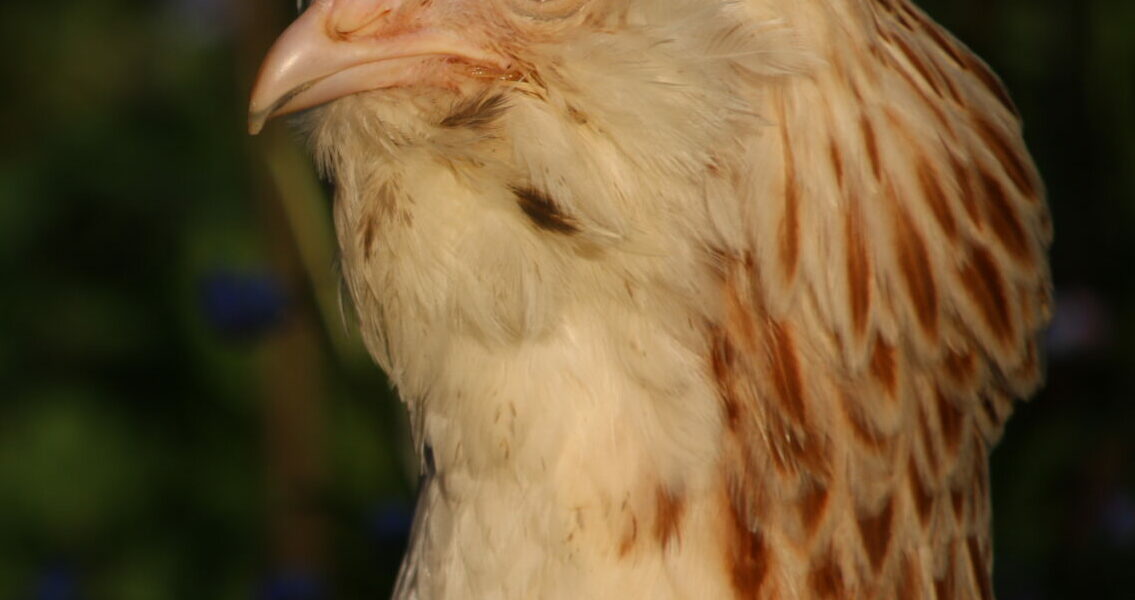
(1118, 519)
(1081, 325)
(242, 306)
(293, 585)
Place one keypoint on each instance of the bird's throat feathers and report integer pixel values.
(613, 129)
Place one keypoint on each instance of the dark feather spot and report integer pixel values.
(944, 586)
(875, 529)
(915, 59)
(477, 112)
(1003, 219)
(813, 503)
(790, 226)
(668, 516)
(749, 556)
(629, 540)
(722, 357)
(837, 161)
(918, 492)
(787, 377)
(883, 366)
(368, 237)
(982, 280)
(826, 579)
(543, 211)
(934, 196)
(858, 268)
(991, 82)
(909, 582)
(950, 421)
(980, 568)
(1014, 163)
(429, 467)
(871, 144)
(961, 366)
(917, 273)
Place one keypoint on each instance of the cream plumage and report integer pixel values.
(686, 298)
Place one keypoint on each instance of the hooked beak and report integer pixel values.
(314, 61)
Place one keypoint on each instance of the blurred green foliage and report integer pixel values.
(143, 439)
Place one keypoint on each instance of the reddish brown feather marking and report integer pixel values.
(875, 530)
(669, 509)
(965, 190)
(749, 559)
(1008, 157)
(858, 268)
(923, 501)
(925, 441)
(950, 420)
(826, 580)
(991, 82)
(916, 271)
(932, 192)
(629, 540)
(961, 366)
(543, 211)
(909, 582)
(813, 504)
(1003, 219)
(915, 60)
(810, 451)
(987, 408)
(980, 569)
(1029, 369)
(837, 162)
(790, 226)
(863, 430)
(787, 378)
(883, 366)
(957, 503)
(871, 144)
(721, 360)
(982, 281)
(944, 586)
(368, 236)
(980, 470)
(927, 102)
(939, 37)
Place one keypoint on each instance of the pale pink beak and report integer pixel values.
(313, 62)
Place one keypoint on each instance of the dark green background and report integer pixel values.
(183, 414)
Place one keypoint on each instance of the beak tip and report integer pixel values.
(256, 120)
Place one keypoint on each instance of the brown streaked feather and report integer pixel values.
(916, 272)
(825, 580)
(748, 556)
(543, 211)
(668, 516)
(790, 226)
(876, 418)
(876, 529)
(477, 112)
(859, 272)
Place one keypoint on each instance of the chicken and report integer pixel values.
(685, 298)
